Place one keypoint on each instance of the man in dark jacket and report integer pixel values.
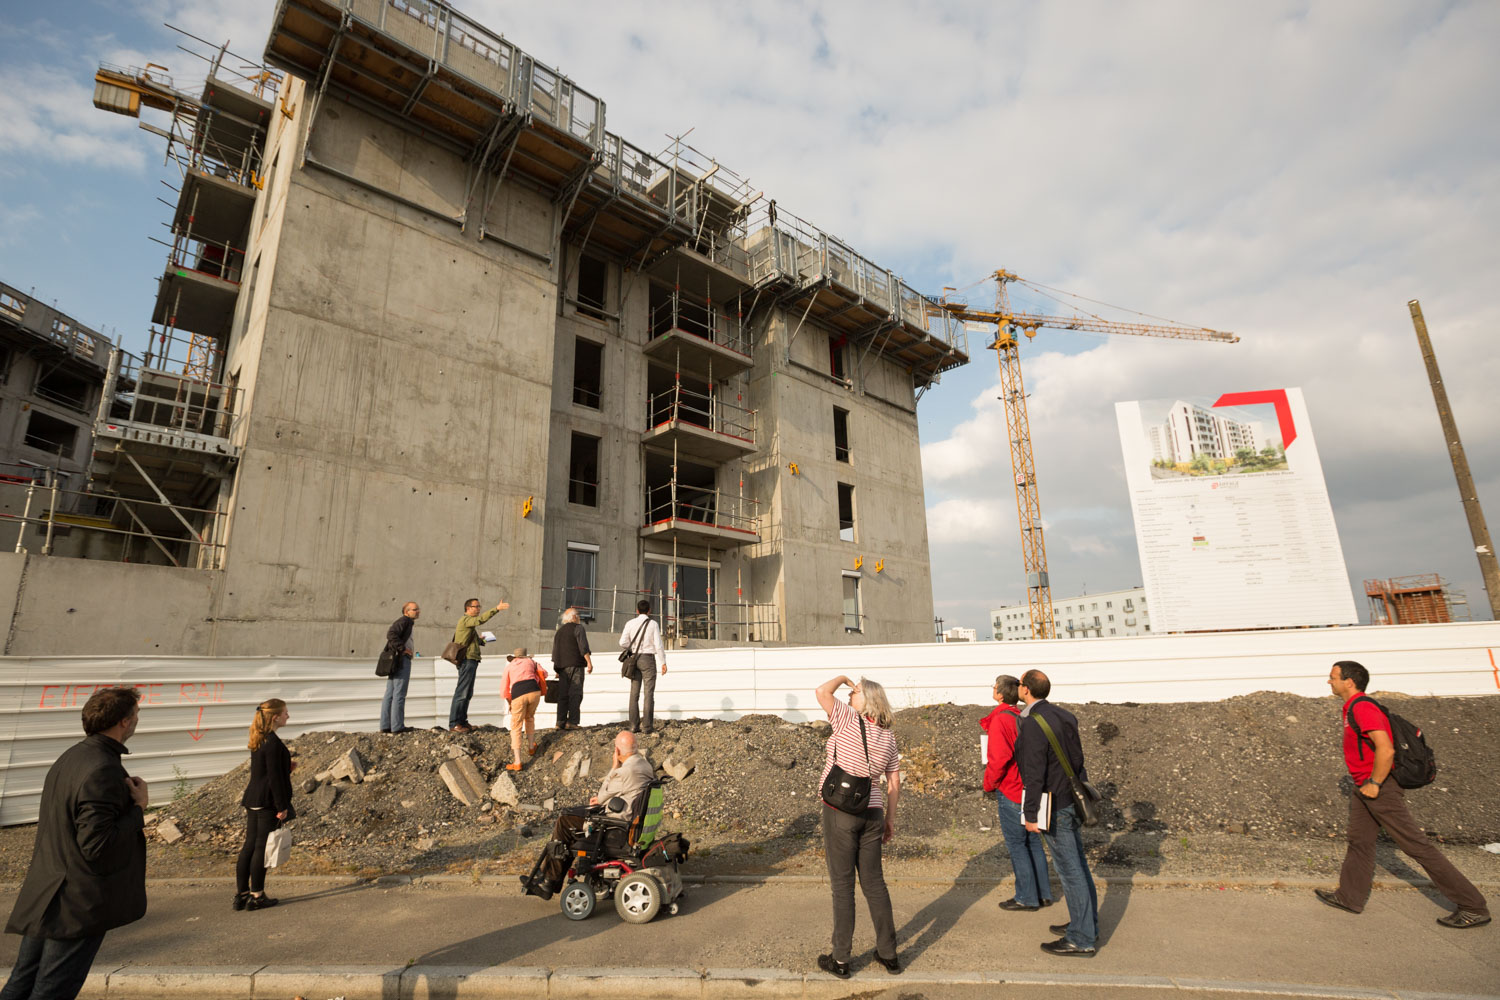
(88, 866)
(1041, 771)
(571, 658)
(398, 643)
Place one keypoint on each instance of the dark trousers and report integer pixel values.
(458, 711)
(569, 823)
(852, 846)
(48, 969)
(570, 705)
(1388, 809)
(643, 682)
(250, 871)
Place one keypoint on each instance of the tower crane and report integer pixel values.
(1009, 325)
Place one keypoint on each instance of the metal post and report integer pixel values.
(25, 517)
(614, 602)
(51, 517)
(1467, 492)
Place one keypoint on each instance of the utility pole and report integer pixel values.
(1478, 530)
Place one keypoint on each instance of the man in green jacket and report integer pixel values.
(466, 634)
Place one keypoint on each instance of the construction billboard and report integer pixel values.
(1232, 517)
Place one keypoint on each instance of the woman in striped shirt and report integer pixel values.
(852, 842)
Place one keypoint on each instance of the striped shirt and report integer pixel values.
(884, 757)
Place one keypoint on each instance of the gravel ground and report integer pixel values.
(1252, 786)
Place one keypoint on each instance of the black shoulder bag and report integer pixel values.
(848, 793)
(1085, 796)
(628, 667)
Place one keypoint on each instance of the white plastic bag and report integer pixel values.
(278, 847)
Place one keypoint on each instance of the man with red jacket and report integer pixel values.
(1027, 856)
(1377, 801)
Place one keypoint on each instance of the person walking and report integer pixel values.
(862, 745)
(1377, 801)
(267, 801)
(522, 690)
(88, 863)
(571, 658)
(398, 642)
(466, 634)
(1041, 771)
(642, 636)
(1028, 859)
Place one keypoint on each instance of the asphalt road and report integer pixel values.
(1235, 937)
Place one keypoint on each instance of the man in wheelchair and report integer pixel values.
(610, 847)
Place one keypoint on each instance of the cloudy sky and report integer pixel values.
(1292, 172)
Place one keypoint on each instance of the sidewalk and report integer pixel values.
(456, 939)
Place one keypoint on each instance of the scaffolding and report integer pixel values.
(1411, 600)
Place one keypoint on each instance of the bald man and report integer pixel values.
(629, 775)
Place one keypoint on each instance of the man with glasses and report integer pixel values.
(466, 634)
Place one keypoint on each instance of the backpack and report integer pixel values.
(1415, 764)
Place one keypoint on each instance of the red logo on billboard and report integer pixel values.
(1277, 398)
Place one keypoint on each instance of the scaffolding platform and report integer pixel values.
(218, 209)
(196, 301)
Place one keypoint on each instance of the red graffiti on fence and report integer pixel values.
(74, 695)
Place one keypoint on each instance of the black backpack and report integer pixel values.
(1414, 765)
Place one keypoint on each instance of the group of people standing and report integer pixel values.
(525, 682)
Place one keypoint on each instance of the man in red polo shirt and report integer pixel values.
(1378, 802)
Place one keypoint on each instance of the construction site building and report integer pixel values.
(443, 335)
(1412, 600)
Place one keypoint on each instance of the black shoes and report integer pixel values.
(261, 902)
(240, 899)
(1331, 897)
(1464, 918)
(828, 965)
(892, 965)
(538, 888)
(1062, 946)
(1058, 928)
(1016, 907)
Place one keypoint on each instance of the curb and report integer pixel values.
(431, 982)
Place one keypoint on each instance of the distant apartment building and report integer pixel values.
(1090, 616)
(959, 634)
(1190, 430)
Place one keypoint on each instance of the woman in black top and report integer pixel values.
(267, 801)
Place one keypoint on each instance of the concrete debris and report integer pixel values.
(485, 818)
(504, 791)
(323, 776)
(680, 769)
(463, 780)
(557, 756)
(408, 803)
(426, 844)
(168, 831)
(201, 838)
(455, 751)
(486, 807)
(324, 798)
(349, 765)
(571, 771)
(548, 805)
(309, 786)
(527, 807)
(584, 766)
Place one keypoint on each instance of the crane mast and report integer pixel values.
(1009, 325)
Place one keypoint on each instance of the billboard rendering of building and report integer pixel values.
(1232, 517)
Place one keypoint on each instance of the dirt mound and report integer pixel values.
(1268, 765)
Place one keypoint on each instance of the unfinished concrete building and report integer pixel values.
(480, 345)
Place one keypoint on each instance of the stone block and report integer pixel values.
(571, 771)
(455, 751)
(349, 765)
(680, 769)
(324, 798)
(463, 780)
(548, 805)
(584, 767)
(309, 786)
(168, 831)
(504, 790)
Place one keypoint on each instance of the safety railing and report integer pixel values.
(65, 333)
(611, 608)
(92, 525)
(692, 315)
(713, 508)
(704, 410)
(217, 260)
(167, 400)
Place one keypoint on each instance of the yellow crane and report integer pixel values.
(1009, 325)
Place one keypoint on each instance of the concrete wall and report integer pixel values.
(85, 606)
(397, 413)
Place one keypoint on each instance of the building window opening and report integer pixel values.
(846, 512)
(593, 278)
(841, 434)
(836, 357)
(696, 496)
(582, 572)
(853, 620)
(588, 372)
(61, 387)
(583, 471)
(49, 434)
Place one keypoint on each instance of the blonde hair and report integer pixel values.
(877, 705)
(261, 726)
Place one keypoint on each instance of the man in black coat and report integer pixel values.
(571, 659)
(398, 643)
(88, 866)
(1042, 771)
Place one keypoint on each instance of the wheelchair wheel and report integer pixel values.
(578, 901)
(639, 897)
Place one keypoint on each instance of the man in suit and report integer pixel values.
(88, 866)
(398, 642)
(1042, 771)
